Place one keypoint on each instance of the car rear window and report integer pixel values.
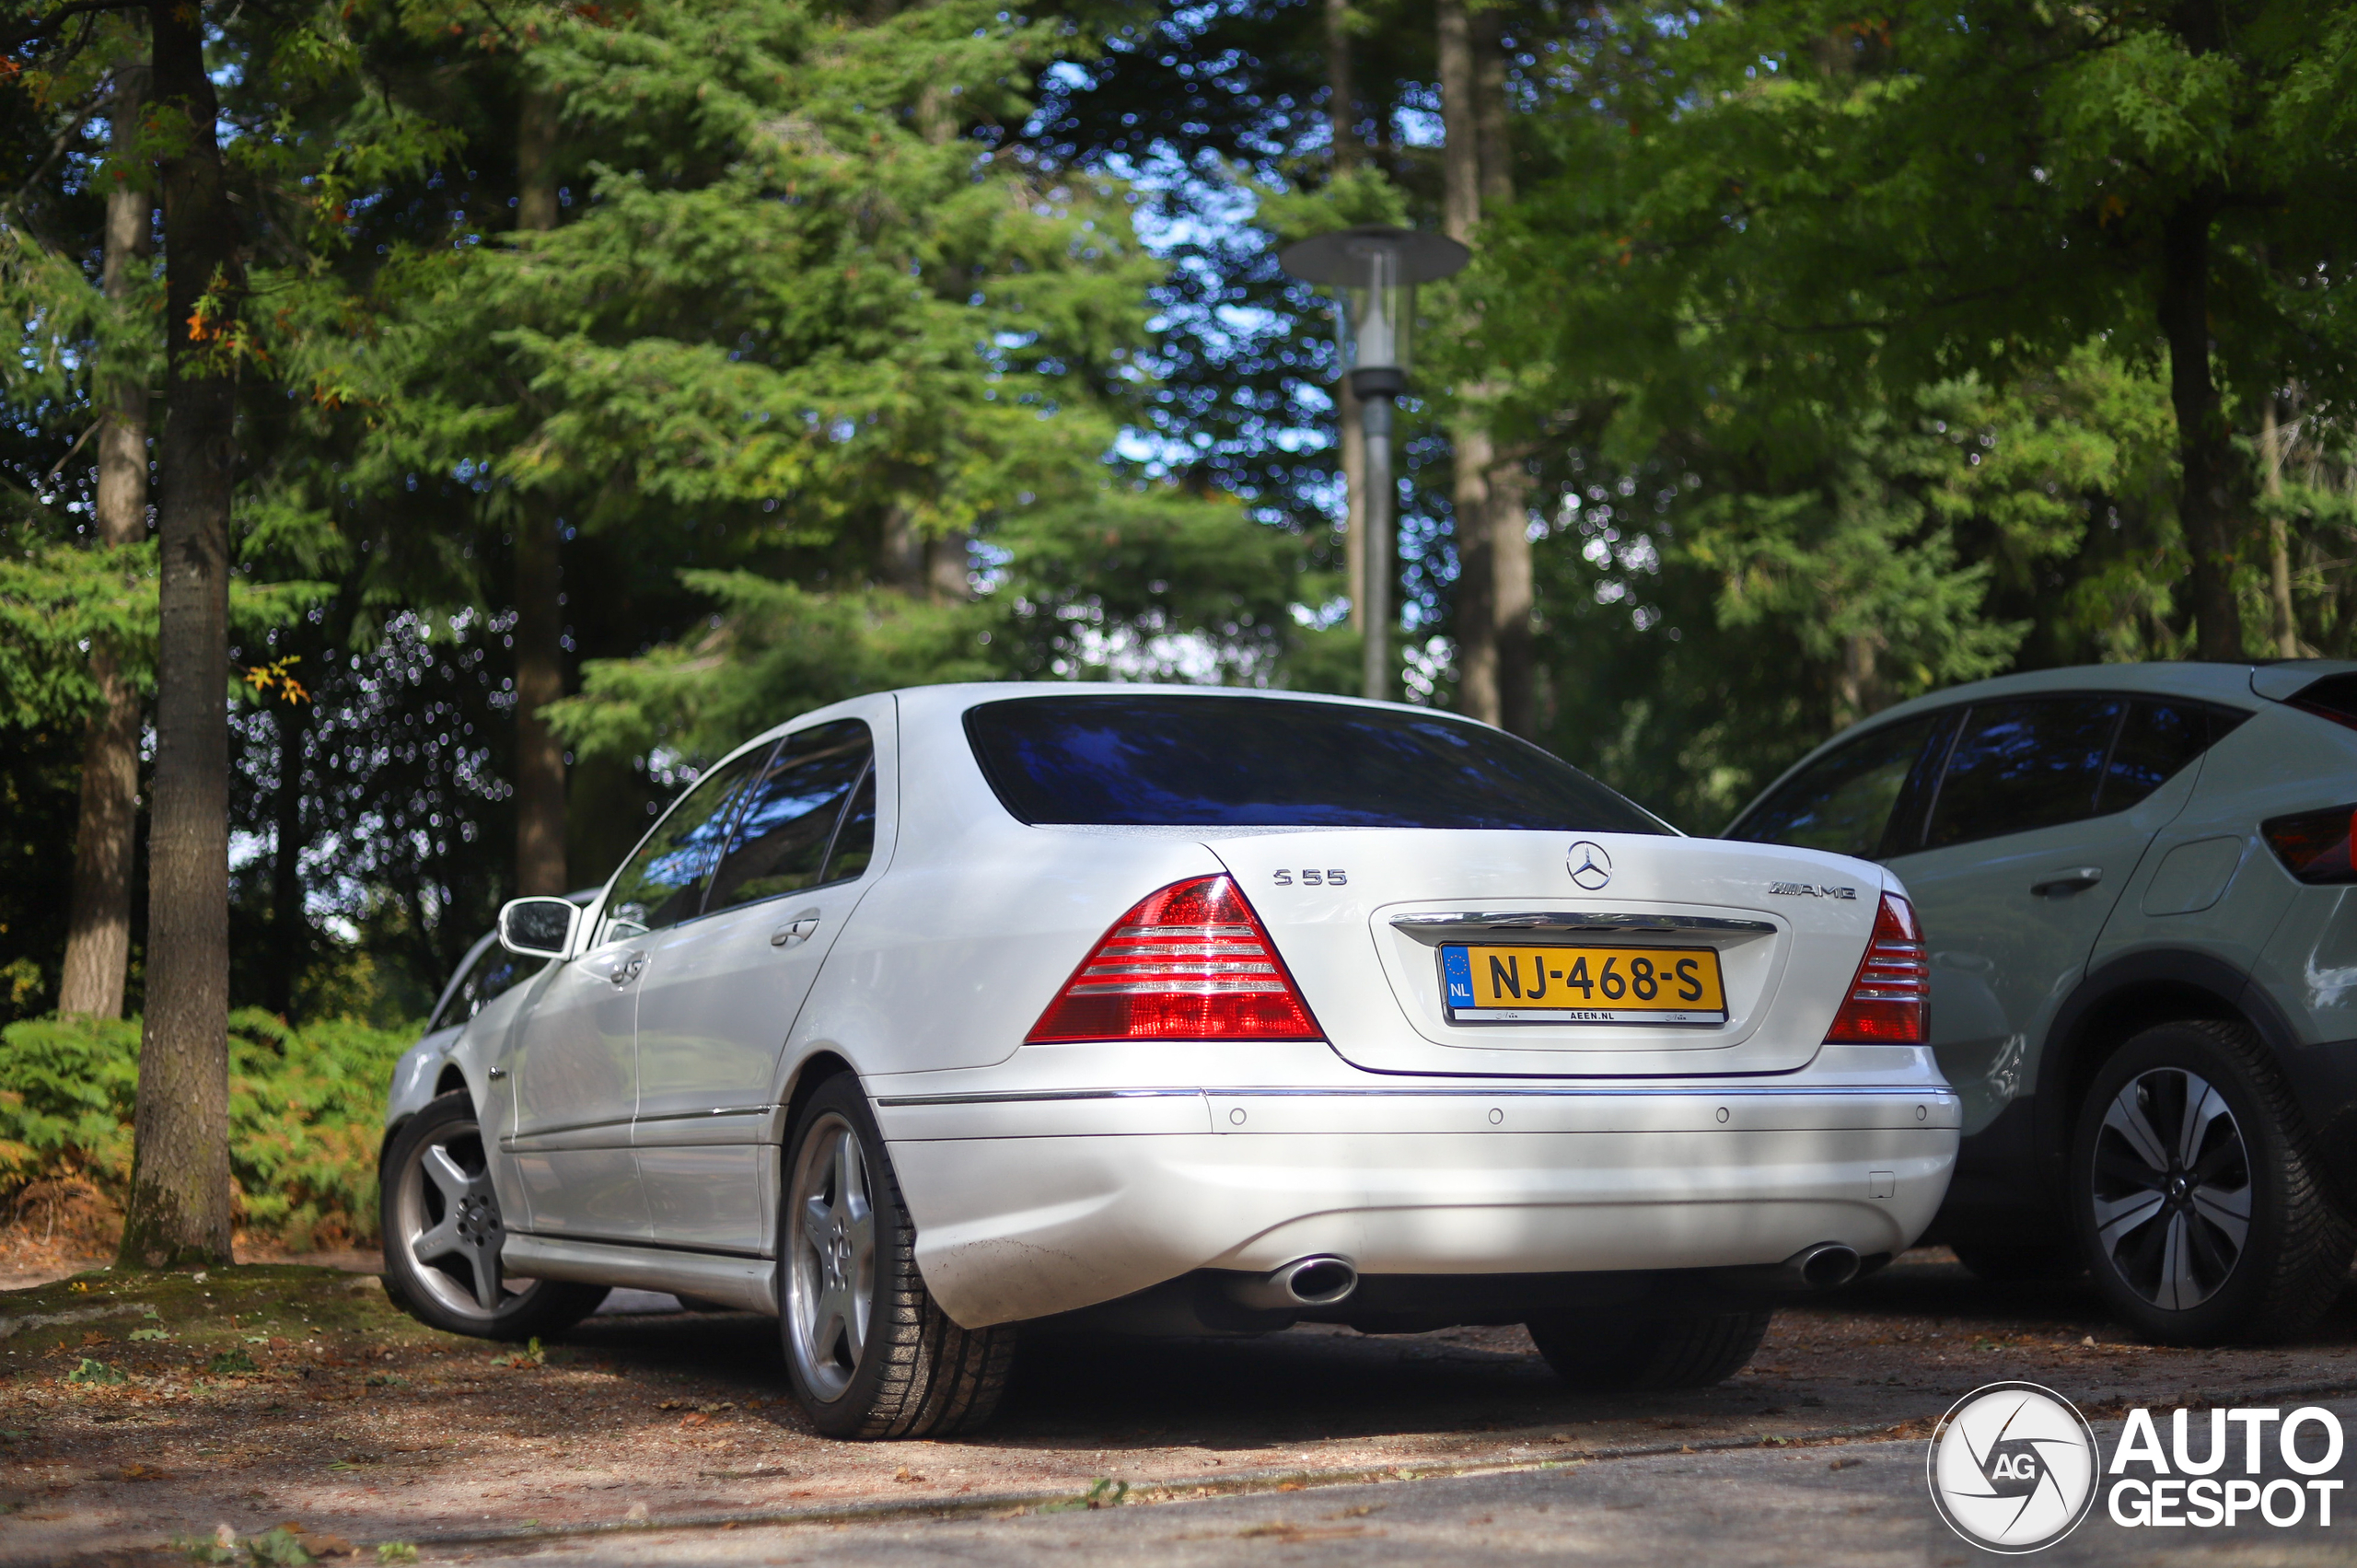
(1208, 761)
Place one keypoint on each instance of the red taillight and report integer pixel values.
(1886, 1002)
(1190, 962)
(2316, 846)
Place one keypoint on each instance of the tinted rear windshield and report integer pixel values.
(1262, 763)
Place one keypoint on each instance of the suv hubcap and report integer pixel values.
(830, 1257)
(2172, 1188)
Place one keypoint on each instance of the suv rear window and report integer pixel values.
(1208, 762)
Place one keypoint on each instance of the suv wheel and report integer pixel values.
(2197, 1193)
(443, 1232)
(871, 1353)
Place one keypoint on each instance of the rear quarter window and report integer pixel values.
(1153, 760)
(1845, 801)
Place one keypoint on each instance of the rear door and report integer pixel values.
(722, 990)
(2037, 817)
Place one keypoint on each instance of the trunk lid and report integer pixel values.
(1362, 917)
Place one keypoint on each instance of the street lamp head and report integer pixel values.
(1373, 269)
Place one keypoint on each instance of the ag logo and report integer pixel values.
(2012, 1468)
(1591, 867)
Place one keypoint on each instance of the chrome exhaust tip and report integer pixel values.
(1826, 1266)
(1305, 1282)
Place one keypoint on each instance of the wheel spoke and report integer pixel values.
(817, 1219)
(455, 1183)
(2179, 1289)
(2127, 1118)
(2215, 1253)
(2116, 1218)
(833, 1322)
(846, 1162)
(855, 1323)
(2204, 1106)
(486, 1262)
(2117, 1167)
(442, 1241)
(2227, 1210)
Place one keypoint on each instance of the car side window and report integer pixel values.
(1843, 801)
(494, 971)
(856, 839)
(663, 883)
(2157, 741)
(791, 816)
(2031, 763)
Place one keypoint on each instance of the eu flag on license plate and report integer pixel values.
(1458, 966)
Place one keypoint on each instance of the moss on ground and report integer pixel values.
(207, 1323)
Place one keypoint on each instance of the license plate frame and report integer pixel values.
(1472, 985)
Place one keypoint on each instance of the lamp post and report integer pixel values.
(1374, 270)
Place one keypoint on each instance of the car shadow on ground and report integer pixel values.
(1925, 1327)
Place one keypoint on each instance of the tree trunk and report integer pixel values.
(2204, 442)
(1506, 518)
(286, 923)
(98, 938)
(947, 565)
(540, 581)
(1477, 624)
(178, 1210)
(2279, 535)
(540, 681)
(1341, 102)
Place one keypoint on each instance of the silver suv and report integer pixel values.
(2136, 883)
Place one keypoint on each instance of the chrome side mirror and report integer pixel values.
(538, 928)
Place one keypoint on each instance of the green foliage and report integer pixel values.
(92, 1372)
(306, 1111)
(1127, 586)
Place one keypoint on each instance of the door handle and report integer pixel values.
(628, 970)
(799, 929)
(2071, 881)
(498, 1072)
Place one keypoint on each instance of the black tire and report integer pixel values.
(2024, 1264)
(432, 1255)
(909, 1371)
(1630, 1353)
(2172, 1263)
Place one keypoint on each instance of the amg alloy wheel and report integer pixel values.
(2196, 1190)
(871, 1353)
(443, 1232)
(829, 1257)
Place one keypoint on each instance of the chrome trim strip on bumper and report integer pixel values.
(1017, 1097)
(1426, 927)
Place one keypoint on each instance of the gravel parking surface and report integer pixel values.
(293, 1395)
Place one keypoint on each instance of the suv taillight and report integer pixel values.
(2315, 845)
(1190, 962)
(1886, 1002)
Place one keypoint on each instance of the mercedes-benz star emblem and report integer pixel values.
(1591, 867)
(2014, 1467)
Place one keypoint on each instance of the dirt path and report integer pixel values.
(283, 1394)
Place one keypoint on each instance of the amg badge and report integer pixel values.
(1809, 890)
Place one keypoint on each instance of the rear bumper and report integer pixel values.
(1038, 1202)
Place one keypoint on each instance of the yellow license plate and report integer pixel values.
(1581, 986)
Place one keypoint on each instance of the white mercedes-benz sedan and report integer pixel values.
(939, 1011)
